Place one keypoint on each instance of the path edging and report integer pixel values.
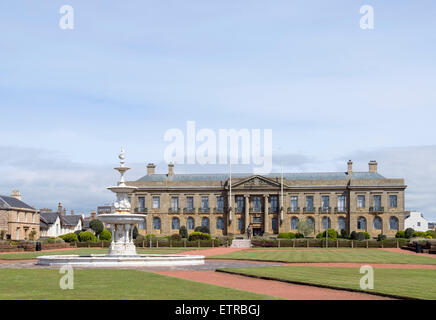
(387, 295)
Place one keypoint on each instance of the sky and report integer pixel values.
(131, 70)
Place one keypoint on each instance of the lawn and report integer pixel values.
(413, 283)
(325, 255)
(33, 255)
(91, 284)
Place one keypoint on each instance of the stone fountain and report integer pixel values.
(122, 250)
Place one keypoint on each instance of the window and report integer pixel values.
(377, 202)
(341, 223)
(361, 223)
(25, 217)
(33, 217)
(156, 203)
(274, 203)
(175, 224)
(18, 217)
(325, 202)
(220, 203)
(190, 203)
(294, 223)
(141, 203)
(143, 225)
(418, 224)
(191, 223)
(326, 223)
(156, 223)
(205, 203)
(257, 219)
(361, 201)
(205, 222)
(341, 203)
(256, 204)
(240, 203)
(393, 223)
(309, 203)
(274, 224)
(311, 221)
(239, 224)
(220, 223)
(294, 203)
(175, 203)
(392, 201)
(377, 223)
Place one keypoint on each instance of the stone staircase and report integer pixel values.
(241, 243)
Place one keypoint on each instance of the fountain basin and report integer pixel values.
(121, 218)
(140, 260)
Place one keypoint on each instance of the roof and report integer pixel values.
(287, 176)
(71, 220)
(48, 217)
(11, 202)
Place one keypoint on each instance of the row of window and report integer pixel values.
(257, 202)
(26, 217)
(190, 223)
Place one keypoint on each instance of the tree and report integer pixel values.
(135, 232)
(203, 229)
(183, 232)
(305, 227)
(409, 232)
(97, 226)
(106, 235)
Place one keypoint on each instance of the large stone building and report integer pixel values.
(353, 201)
(18, 220)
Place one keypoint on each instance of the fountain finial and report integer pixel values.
(122, 156)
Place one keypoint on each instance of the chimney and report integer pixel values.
(72, 212)
(60, 207)
(170, 169)
(350, 167)
(93, 214)
(150, 169)
(16, 194)
(373, 166)
(64, 212)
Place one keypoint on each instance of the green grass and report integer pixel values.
(412, 283)
(103, 284)
(33, 255)
(352, 255)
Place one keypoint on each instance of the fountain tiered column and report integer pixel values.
(122, 222)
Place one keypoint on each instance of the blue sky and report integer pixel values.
(130, 70)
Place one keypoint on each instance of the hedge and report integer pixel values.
(339, 243)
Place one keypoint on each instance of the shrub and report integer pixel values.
(69, 237)
(32, 235)
(175, 237)
(359, 235)
(183, 232)
(199, 236)
(2, 234)
(97, 226)
(286, 235)
(419, 234)
(344, 234)
(299, 235)
(105, 235)
(431, 233)
(381, 237)
(332, 234)
(409, 233)
(202, 229)
(140, 237)
(400, 234)
(353, 235)
(87, 236)
(366, 234)
(150, 235)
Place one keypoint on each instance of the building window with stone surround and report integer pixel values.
(257, 205)
(309, 203)
(220, 203)
(240, 204)
(294, 223)
(377, 202)
(274, 203)
(191, 223)
(360, 201)
(341, 203)
(190, 203)
(393, 223)
(141, 204)
(274, 224)
(174, 204)
(311, 221)
(143, 225)
(392, 201)
(325, 202)
(239, 224)
(156, 223)
(341, 223)
(361, 223)
(175, 224)
(18, 217)
(377, 223)
(205, 203)
(205, 222)
(220, 223)
(294, 203)
(326, 223)
(156, 202)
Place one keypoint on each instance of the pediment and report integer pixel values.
(256, 182)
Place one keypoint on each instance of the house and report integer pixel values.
(18, 220)
(55, 224)
(416, 221)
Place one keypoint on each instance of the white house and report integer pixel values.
(416, 221)
(53, 224)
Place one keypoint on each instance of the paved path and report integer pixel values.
(269, 287)
(48, 250)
